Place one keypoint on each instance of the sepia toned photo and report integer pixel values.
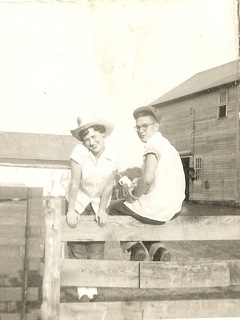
(119, 159)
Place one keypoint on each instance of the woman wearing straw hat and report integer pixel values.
(93, 170)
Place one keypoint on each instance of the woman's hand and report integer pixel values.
(101, 217)
(72, 218)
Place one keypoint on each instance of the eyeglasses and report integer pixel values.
(144, 127)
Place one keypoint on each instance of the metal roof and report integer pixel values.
(20, 147)
(211, 78)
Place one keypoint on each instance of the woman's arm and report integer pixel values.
(102, 215)
(72, 215)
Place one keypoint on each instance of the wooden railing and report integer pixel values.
(199, 274)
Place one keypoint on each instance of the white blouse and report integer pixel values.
(94, 176)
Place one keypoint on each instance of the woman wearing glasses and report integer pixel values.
(160, 191)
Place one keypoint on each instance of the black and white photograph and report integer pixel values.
(119, 159)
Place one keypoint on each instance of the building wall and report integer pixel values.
(193, 128)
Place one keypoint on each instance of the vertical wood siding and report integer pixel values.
(192, 124)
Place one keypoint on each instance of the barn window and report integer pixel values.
(222, 107)
(198, 168)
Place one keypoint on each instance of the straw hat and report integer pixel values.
(90, 120)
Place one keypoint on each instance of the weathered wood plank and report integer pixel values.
(15, 211)
(100, 273)
(182, 228)
(234, 269)
(15, 316)
(21, 241)
(13, 207)
(19, 231)
(146, 310)
(51, 281)
(15, 294)
(127, 274)
(35, 250)
(13, 192)
(184, 274)
(13, 264)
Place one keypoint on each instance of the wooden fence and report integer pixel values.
(22, 242)
(200, 274)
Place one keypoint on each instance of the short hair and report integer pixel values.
(83, 133)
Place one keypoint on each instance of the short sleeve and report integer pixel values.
(78, 153)
(152, 146)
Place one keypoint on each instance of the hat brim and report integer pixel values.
(108, 127)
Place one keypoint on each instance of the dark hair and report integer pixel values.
(83, 133)
(145, 114)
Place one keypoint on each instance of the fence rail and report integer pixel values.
(178, 275)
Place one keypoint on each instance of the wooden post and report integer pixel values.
(51, 280)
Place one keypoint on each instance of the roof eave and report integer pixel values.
(233, 83)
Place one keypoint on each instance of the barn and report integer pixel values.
(201, 119)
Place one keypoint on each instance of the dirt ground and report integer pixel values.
(180, 251)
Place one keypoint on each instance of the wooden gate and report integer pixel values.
(22, 242)
(202, 275)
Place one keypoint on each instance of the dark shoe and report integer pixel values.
(98, 298)
(84, 298)
(162, 255)
(138, 252)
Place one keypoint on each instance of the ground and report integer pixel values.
(185, 251)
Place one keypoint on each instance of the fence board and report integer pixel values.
(15, 294)
(100, 273)
(35, 250)
(150, 310)
(13, 207)
(234, 268)
(19, 231)
(51, 280)
(182, 228)
(14, 264)
(15, 316)
(21, 241)
(183, 274)
(13, 192)
(127, 274)
(19, 219)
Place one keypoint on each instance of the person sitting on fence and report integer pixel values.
(160, 191)
(93, 170)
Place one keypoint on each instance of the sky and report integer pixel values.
(60, 58)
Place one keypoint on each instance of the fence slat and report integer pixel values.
(100, 273)
(180, 229)
(18, 251)
(127, 274)
(13, 207)
(15, 294)
(13, 192)
(14, 264)
(51, 281)
(150, 310)
(15, 316)
(234, 268)
(183, 274)
(19, 231)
